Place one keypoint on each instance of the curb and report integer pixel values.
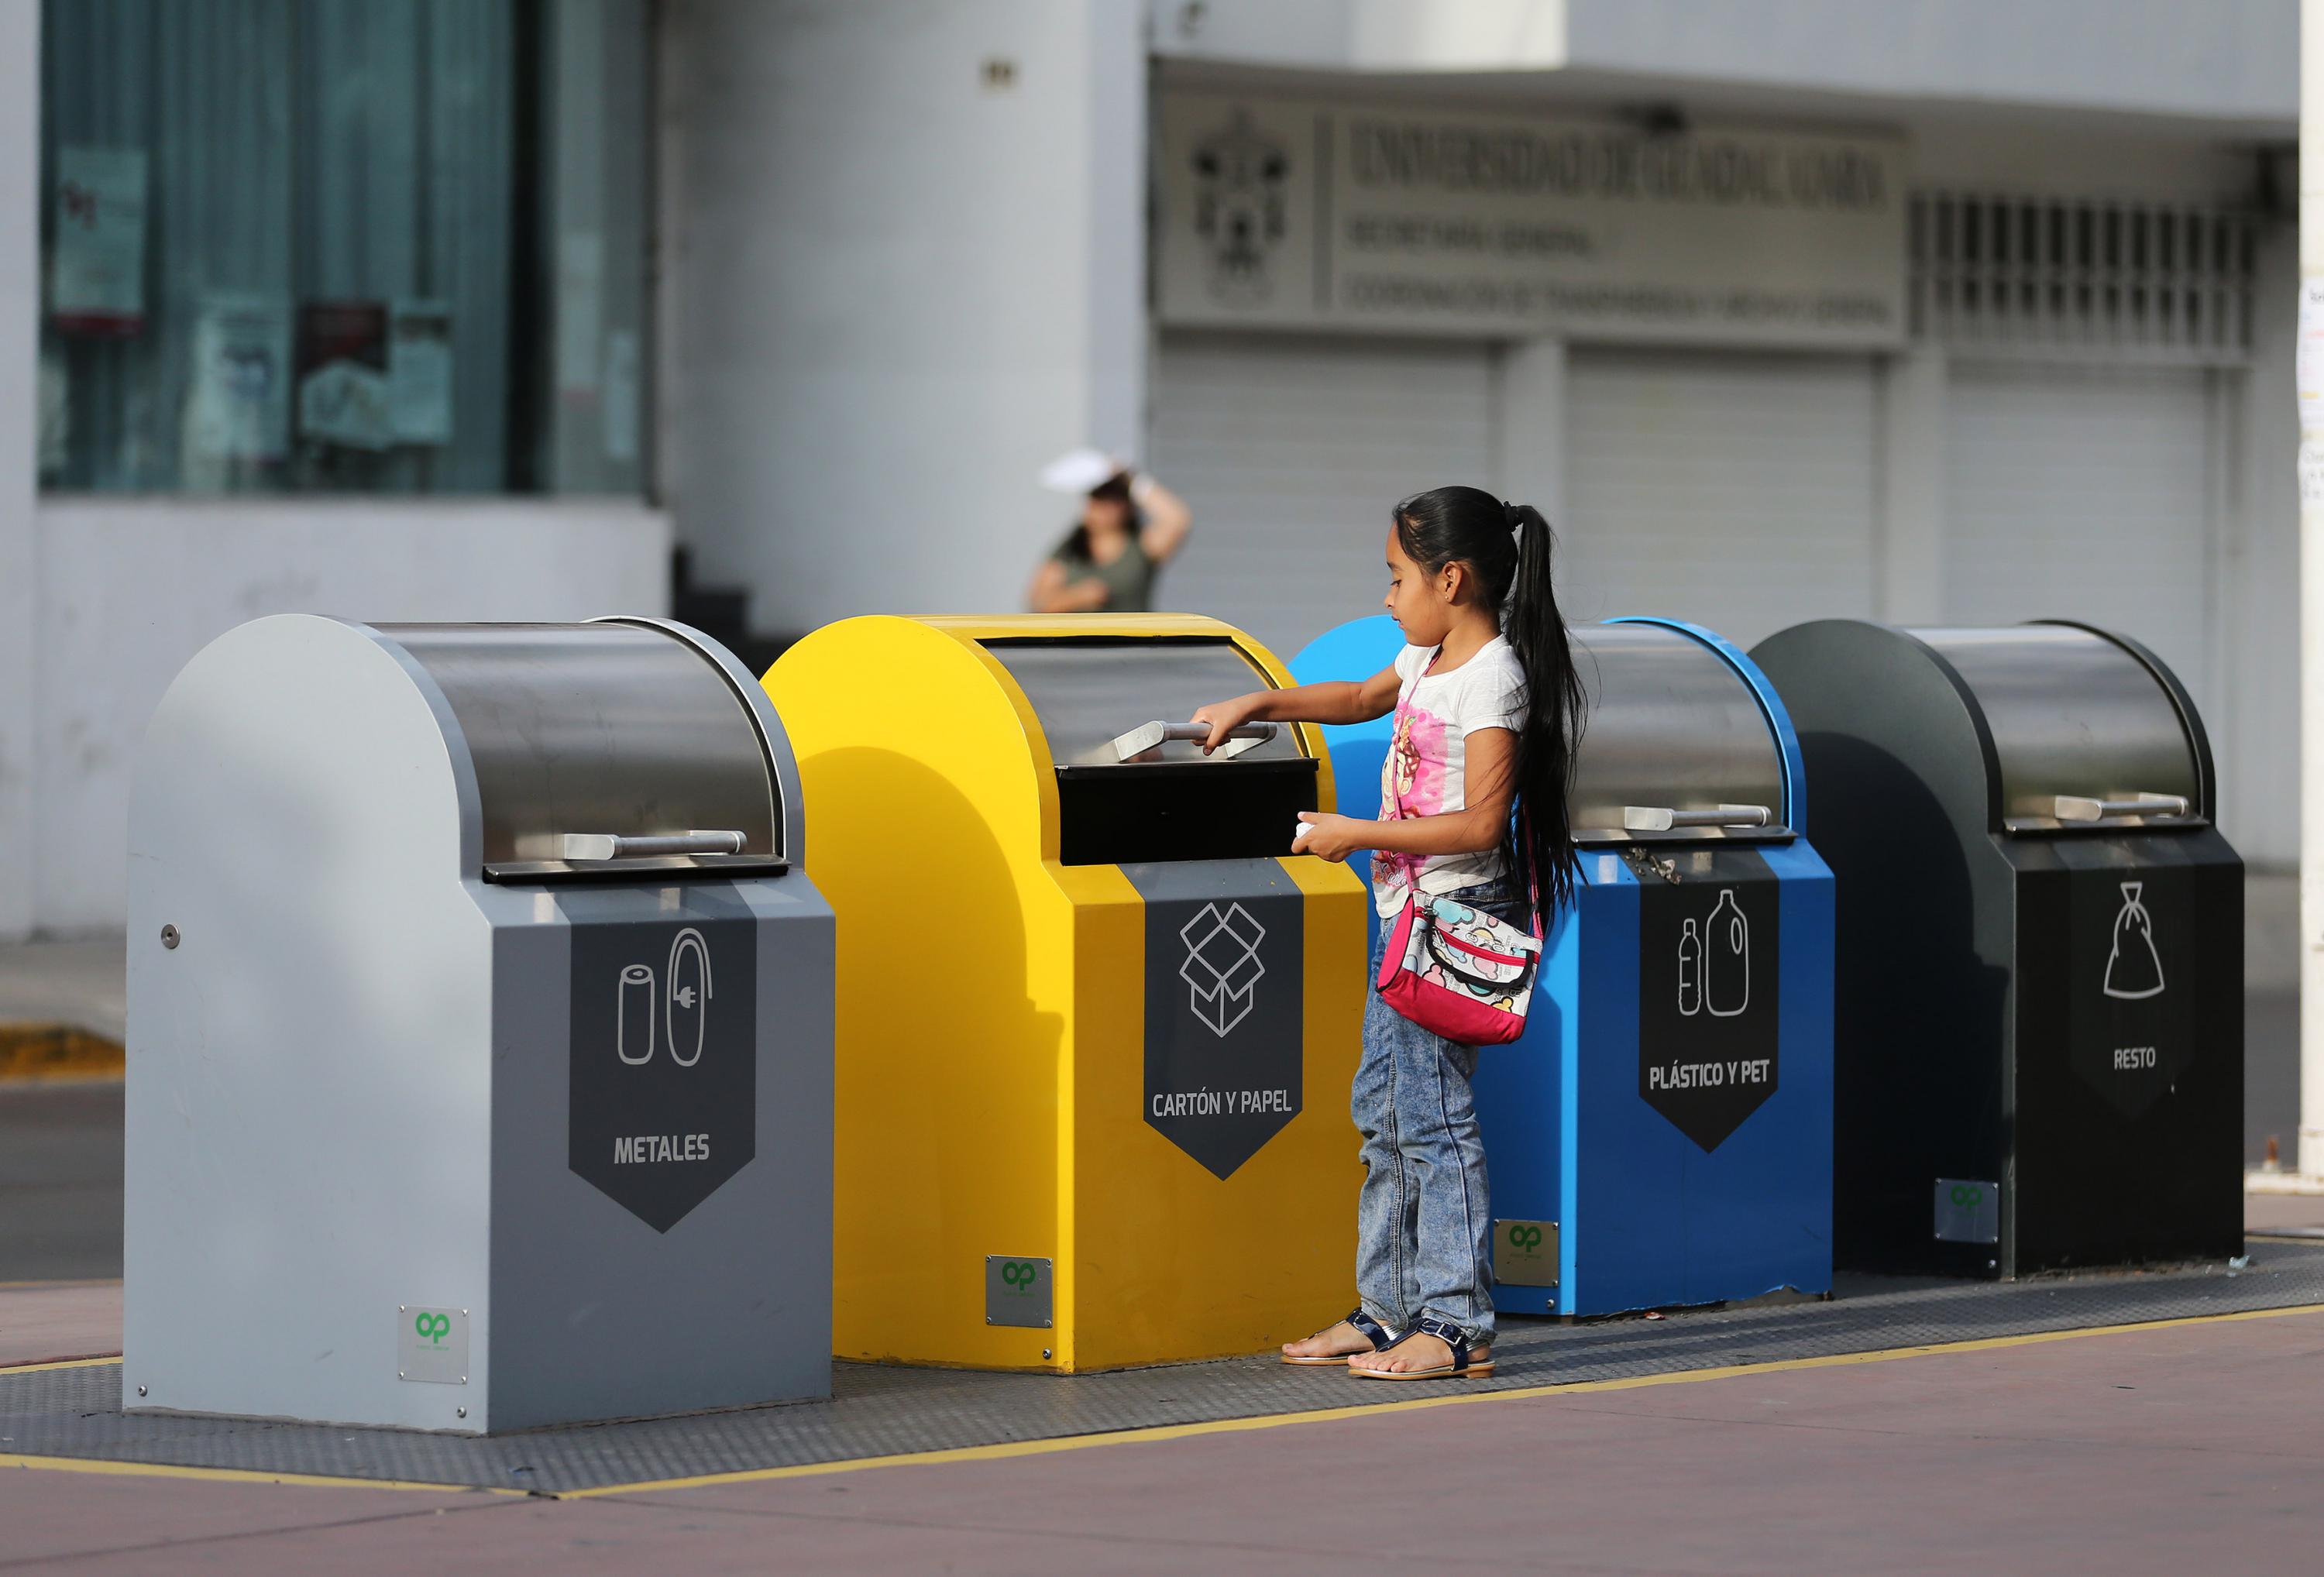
(45, 1053)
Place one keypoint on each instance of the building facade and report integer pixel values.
(1964, 313)
(1960, 312)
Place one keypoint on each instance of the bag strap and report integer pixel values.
(1524, 824)
(1533, 869)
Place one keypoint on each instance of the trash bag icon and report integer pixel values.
(2133, 969)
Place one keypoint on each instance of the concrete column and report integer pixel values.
(2312, 606)
(1529, 442)
(907, 271)
(19, 579)
(1909, 556)
(1116, 178)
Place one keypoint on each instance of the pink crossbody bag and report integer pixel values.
(1458, 972)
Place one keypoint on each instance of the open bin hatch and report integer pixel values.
(1170, 802)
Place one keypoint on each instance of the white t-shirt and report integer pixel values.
(1426, 772)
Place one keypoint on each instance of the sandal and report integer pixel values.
(1462, 1366)
(1370, 1329)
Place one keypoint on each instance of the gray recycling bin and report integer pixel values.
(2039, 1041)
(480, 1032)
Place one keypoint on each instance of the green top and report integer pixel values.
(1129, 580)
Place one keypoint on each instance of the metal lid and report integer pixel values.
(604, 734)
(1677, 744)
(2082, 723)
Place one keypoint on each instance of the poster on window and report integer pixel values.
(343, 396)
(96, 278)
(419, 371)
(239, 394)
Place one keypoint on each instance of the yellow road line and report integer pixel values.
(1374, 1409)
(1157, 1432)
(47, 1286)
(7, 1368)
(76, 1464)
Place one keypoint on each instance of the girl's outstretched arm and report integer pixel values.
(1341, 701)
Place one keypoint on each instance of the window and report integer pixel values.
(2052, 278)
(345, 245)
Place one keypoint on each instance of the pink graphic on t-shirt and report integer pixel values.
(1412, 784)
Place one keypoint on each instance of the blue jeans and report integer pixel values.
(1423, 1219)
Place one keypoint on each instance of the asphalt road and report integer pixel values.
(59, 1182)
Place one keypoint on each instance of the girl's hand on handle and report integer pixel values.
(1223, 717)
(1329, 837)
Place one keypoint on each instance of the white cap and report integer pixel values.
(1079, 470)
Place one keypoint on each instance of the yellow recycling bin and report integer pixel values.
(1096, 1024)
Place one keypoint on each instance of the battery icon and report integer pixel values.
(634, 1015)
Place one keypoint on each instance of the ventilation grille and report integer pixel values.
(2047, 276)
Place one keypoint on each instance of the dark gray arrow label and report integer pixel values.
(2131, 965)
(1707, 949)
(1225, 1005)
(664, 1093)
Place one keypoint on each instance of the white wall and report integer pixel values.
(128, 590)
(1369, 35)
(2232, 59)
(898, 289)
(20, 275)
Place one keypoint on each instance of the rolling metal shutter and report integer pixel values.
(1736, 491)
(1291, 451)
(2082, 493)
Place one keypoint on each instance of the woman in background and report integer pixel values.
(1130, 526)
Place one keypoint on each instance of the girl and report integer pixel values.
(1487, 714)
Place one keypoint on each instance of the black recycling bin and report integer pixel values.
(2039, 1039)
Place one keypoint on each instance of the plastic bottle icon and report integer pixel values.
(634, 1015)
(2133, 969)
(1726, 958)
(1689, 971)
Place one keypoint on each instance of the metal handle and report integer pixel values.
(614, 846)
(1146, 735)
(2075, 808)
(1657, 819)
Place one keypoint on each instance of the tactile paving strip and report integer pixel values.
(881, 1411)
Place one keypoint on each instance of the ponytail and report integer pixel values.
(1508, 549)
(1555, 709)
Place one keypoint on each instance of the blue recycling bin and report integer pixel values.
(1662, 1135)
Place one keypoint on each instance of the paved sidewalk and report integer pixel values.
(2169, 1449)
(59, 1320)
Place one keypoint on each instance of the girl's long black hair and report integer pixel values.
(1507, 548)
